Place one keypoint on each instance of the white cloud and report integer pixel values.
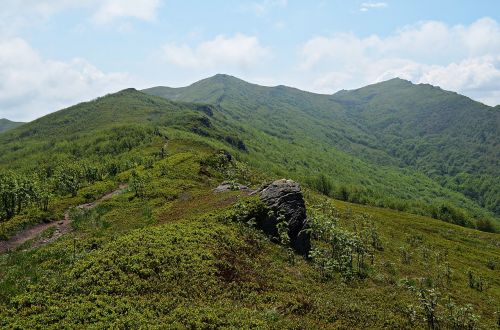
(460, 58)
(31, 86)
(222, 52)
(16, 14)
(365, 6)
(110, 10)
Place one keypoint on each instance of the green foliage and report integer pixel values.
(486, 225)
(137, 183)
(429, 299)
(89, 218)
(451, 214)
(439, 312)
(282, 137)
(216, 270)
(343, 251)
(461, 317)
(168, 250)
(324, 185)
(476, 281)
(68, 178)
(282, 227)
(394, 144)
(18, 192)
(6, 125)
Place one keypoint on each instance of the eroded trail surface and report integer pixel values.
(61, 227)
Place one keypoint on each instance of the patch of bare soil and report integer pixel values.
(62, 227)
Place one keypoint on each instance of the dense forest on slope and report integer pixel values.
(392, 144)
(168, 250)
(449, 137)
(6, 124)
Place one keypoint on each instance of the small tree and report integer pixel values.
(68, 178)
(284, 238)
(429, 299)
(323, 185)
(8, 195)
(461, 317)
(476, 281)
(137, 183)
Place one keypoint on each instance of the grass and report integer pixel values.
(170, 251)
(176, 256)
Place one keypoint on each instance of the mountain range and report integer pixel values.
(394, 144)
(394, 127)
(142, 209)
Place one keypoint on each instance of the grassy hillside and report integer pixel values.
(383, 145)
(6, 124)
(168, 251)
(199, 269)
(183, 256)
(449, 137)
(285, 141)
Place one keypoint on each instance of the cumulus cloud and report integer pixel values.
(16, 14)
(31, 86)
(110, 10)
(460, 58)
(366, 6)
(222, 52)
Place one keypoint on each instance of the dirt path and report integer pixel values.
(61, 227)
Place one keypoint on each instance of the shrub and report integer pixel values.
(486, 225)
(323, 185)
(406, 255)
(452, 214)
(491, 264)
(476, 282)
(342, 251)
(461, 317)
(137, 183)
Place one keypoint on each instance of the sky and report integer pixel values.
(56, 53)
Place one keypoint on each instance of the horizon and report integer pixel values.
(54, 54)
(252, 83)
(248, 82)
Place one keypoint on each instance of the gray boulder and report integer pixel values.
(230, 186)
(285, 197)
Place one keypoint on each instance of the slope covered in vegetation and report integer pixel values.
(449, 137)
(410, 147)
(6, 124)
(170, 252)
(175, 253)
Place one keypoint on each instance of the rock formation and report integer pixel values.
(284, 197)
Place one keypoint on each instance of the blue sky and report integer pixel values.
(55, 53)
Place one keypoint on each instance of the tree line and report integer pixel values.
(22, 190)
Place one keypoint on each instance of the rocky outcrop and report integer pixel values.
(284, 197)
(230, 186)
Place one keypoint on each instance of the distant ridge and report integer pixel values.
(441, 134)
(6, 124)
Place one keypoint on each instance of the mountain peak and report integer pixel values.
(396, 82)
(223, 79)
(223, 76)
